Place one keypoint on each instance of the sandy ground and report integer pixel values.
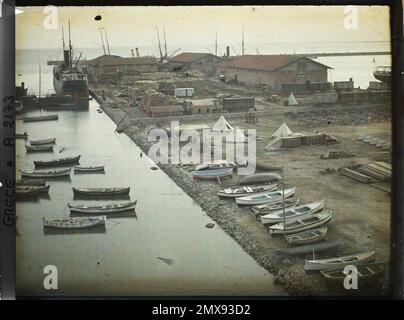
(361, 213)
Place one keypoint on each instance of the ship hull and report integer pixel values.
(77, 90)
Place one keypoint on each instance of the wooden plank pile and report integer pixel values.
(369, 173)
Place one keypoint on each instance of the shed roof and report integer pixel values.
(187, 57)
(264, 62)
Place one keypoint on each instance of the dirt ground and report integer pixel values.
(361, 213)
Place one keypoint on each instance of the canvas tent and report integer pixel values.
(283, 131)
(236, 136)
(222, 125)
(292, 100)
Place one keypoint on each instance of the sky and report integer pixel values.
(136, 26)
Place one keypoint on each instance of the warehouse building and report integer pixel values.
(280, 73)
(204, 62)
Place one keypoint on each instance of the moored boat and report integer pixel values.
(306, 237)
(88, 168)
(40, 118)
(25, 182)
(269, 197)
(28, 191)
(338, 262)
(46, 174)
(101, 191)
(291, 213)
(312, 248)
(364, 272)
(275, 206)
(304, 223)
(57, 162)
(212, 173)
(245, 191)
(104, 208)
(39, 148)
(74, 223)
(42, 141)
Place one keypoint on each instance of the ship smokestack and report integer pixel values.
(227, 51)
(137, 52)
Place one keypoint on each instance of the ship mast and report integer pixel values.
(70, 49)
(63, 38)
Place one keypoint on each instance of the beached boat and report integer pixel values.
(292, 213)
(46, 174)
(338, 262)
(40, 118)
(104, 208)
(275, 206)
(212, 174)
(312, 248)
(21, 136)
(101, 191)
(28, 191)
(366, 271)
(57, 162)
(260, 178)
(213, 166)
(25, 182)
(42, 141)
(269, 197)
(88, 168)
(304, 223)
(267, 167)
(306, 237)
(40, 148)
(245, 191)
(74, 223)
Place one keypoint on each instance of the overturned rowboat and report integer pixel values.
(366, 271)
(101, 191)
(46, 174)
(40, 118)
(42, 141)
(74, 223)
(263, 209)
(338, 262)
(39, 148)
(306, 237)
(269, 197)
(58, 162)
(310, 248)
(260, 178)
(104, 208)
(292, 213)
(212, 173)
(88, 168)
(245, 191)
(307, 222)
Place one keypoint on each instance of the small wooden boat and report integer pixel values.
(245, 191)
(21, 136)
(57, 162)
(292, 213)
(24, 182)
(212, 174)
(88, 168)
(269, 197)
(266, 167)
(275, 206)
(339, 262)
(74, 223)
(364, 271)
(104, 208)
(310, 248)
(101, 191)
(39, 148)
(40, 118)
(260, 178)
(28, 191)
(213, 166)
(306, 237)
(42, 141)
(46, 174)
(304, 223)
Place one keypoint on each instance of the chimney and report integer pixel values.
(23, 85)
(132, 52)
(227, 51)
(137, 52)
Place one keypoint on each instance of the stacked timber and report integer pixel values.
(369, 173)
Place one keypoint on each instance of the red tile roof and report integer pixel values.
(187, 57)
(263, 62)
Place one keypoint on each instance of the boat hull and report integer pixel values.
(99, 192)
(339, 262)
(93, 210)
(74, 223)
(317, 221)
(59, 162)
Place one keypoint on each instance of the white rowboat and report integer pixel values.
(74, 223)
(269, 197)
(339, 262)
(104, 208)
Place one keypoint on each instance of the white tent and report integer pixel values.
(291, 100)
(236, 136)
(283, 131)
(222, 125)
